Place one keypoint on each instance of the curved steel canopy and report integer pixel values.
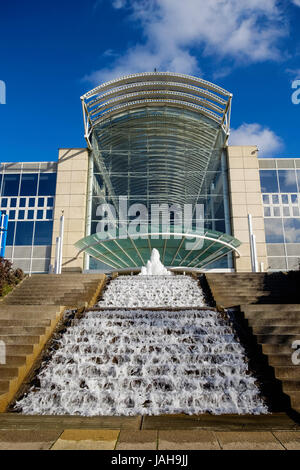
(134, 251)
(155, 89)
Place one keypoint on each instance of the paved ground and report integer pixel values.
(177, 432)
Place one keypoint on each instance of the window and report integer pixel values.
(294, 198)
(47, 184)
(49, 214)
(276, 211)
(284, 199)
(4, 202)
(24, 231)
(292, 230)
(266, 199)
(267, 211)
(50, 202)
(12, 214)
(29, 184)
(10, 233)
(275, 199)
(287, 181)
(13, 202)
(21, 214)
(30, 214)
(22, 202)
(11, 185)
(43, 233)
(31, 202)
(41, 202)
(274, 230)
(39, 214)
(268, 181)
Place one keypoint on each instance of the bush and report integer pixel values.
(9, 277)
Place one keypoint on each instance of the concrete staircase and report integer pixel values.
(275, 328)
(29, 316)
(232, 289)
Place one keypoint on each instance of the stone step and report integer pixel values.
(295, 400)
(287, 372)
(291, 385)
(274, 348)
(8, 372)
(15, 360)
(276, 330)
(4, 385)
(280, 359)
(19, 339)
(22, 330)
(19, 349)
(26, 322)
(266, 307)
(29, 315)
(287, 319)
(266, 314)
(277, 339)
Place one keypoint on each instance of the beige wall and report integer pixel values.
(245, 198)
(71, 190)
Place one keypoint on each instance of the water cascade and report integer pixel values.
(154, 266)
(131, 362)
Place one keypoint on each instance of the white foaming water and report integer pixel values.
(154, 362)
(153, 291)
(154, 266)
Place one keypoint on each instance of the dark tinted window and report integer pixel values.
(29, 184)
(47, 184)
(24, 233)
(287, 181)
(11, 185)
(43, 233)
(10, 233)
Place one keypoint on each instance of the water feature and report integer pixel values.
(153, 291)
(154, 266)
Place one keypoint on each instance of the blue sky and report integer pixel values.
(53, 52)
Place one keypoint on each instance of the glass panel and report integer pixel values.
(268, 181)
(29, 184)
(21, 214)
(13, 202)
(31, 202)
(4, 202)
(22, 202)
(292, 230)
(12, 214)
(49, 214)
(10, 233)
(41, 202)
(275, 199)
(43, 233)
(286, 211)
(11, 185)
(266, 199)
(287, 181)
(24, 233)
(274, 231)
(294, 198)
(50, 202)
(284, 199)
(296, 212)
(298, 178)
(267, 211)
(47, 184)
(276, 211)
(39, 214)
(30, 214)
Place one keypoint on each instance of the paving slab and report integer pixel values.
(187, 440)
(137, 440)
(290, 439)
(256, 440)
(87, 439)
(27, 440)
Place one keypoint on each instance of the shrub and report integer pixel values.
(9, 277)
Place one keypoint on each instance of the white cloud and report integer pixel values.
(218, 28)
(266, 140)
(296, 2)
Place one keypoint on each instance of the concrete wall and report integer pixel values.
(71, 190)
(245, 198)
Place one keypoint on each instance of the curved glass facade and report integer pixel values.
(159, 139)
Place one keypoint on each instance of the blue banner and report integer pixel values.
(3, 233)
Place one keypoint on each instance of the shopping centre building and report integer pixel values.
(154, 140)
